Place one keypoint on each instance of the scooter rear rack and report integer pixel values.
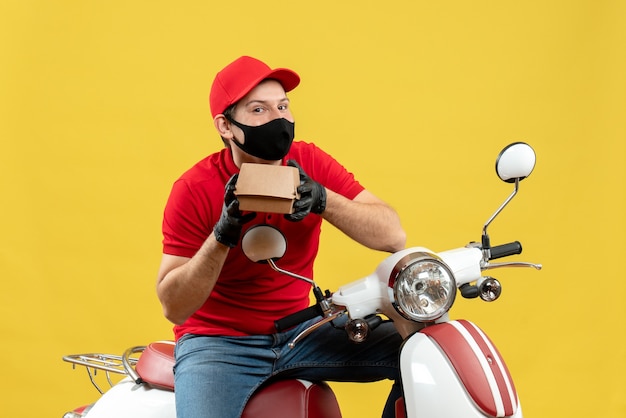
(109, 363)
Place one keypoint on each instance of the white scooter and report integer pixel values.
(449, 368)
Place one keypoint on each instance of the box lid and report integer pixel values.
(267, 188)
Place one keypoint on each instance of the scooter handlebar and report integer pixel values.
(297, 318)
(505, 250)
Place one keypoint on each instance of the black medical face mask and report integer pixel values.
(270, 141)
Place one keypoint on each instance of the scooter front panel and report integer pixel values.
(432, 389)
(478, 365)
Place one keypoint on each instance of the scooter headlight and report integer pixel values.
(422, 287)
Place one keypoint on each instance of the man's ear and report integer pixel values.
(223, 126)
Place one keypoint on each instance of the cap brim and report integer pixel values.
(287, 78)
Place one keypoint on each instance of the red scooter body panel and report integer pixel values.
(478, 365)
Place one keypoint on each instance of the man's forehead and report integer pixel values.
(265, 92)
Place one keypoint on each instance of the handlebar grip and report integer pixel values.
(505, 250)
(297, 318)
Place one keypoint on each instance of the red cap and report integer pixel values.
(242, 75)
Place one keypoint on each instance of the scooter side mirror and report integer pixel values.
(515, 162)
(263, 242)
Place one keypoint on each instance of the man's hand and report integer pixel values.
(227, 230)
(312, 196)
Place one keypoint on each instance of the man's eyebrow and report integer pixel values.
(253, 101)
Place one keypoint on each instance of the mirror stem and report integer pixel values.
(506, 202)
(485, 238)
(288, 273)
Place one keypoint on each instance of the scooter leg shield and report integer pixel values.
(444, 374)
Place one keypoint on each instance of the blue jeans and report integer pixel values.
(215, 376)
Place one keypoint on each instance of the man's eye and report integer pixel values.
(257, 110)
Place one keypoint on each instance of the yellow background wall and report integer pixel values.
(104, 103)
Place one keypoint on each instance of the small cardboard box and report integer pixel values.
(267, 188)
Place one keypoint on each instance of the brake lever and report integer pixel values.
(315, 326)
(489, 266)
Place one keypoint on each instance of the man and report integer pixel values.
(223, 305)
